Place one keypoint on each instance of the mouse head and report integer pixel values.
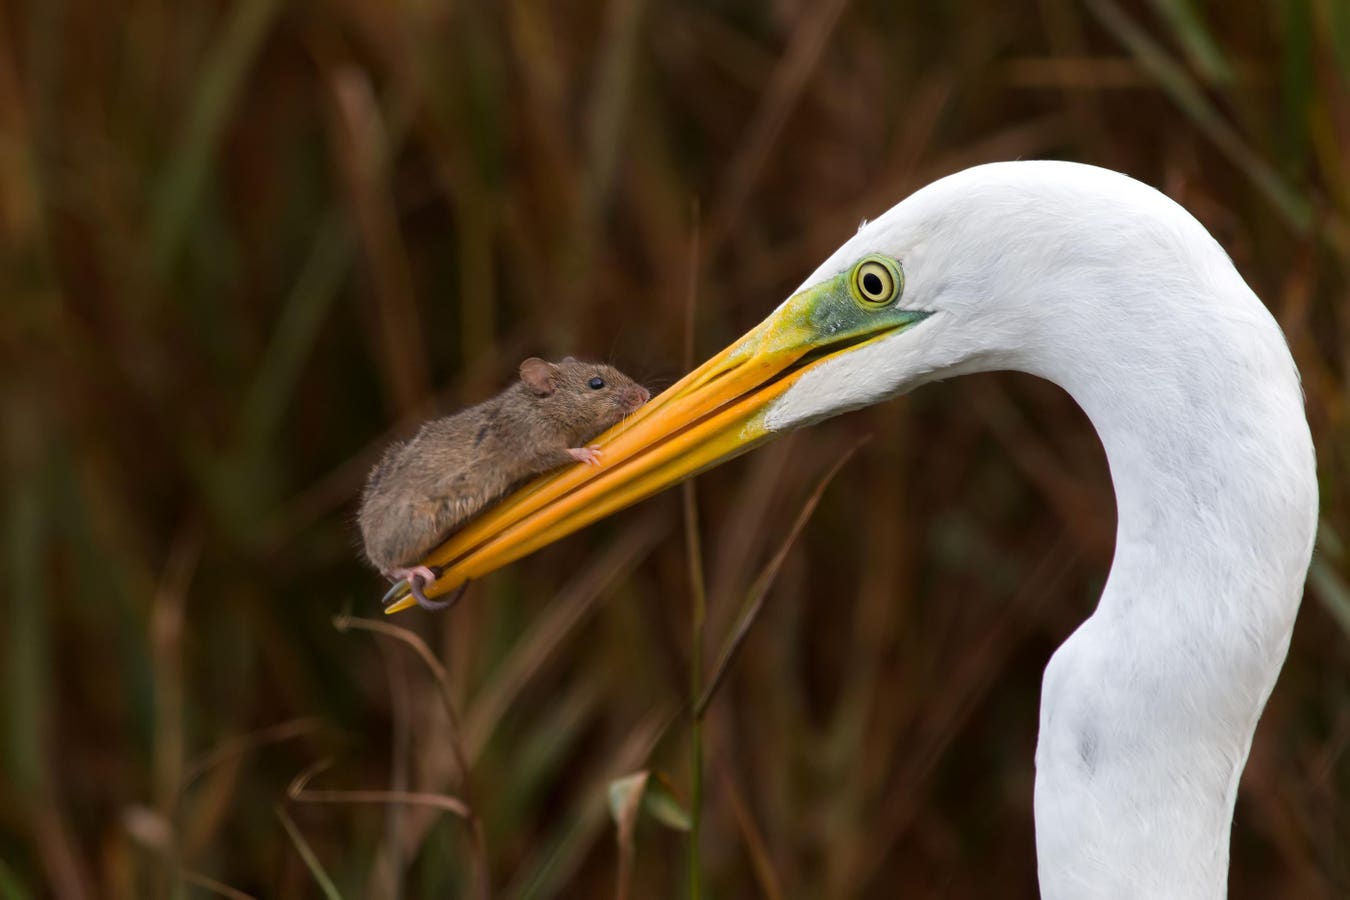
(599, 394)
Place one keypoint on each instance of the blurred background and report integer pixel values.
(245, 244)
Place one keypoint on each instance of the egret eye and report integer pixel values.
(876, 281)
(597, 383)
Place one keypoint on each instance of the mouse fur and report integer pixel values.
(424, 487)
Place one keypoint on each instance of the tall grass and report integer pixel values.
(245, 244)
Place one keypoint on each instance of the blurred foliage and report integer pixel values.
(243, 244)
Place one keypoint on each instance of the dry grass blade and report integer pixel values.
(549, 630)
(1187, 94)
(1188, 25)
(307, 854)
(346, 622)
(625, 801)
(610, 98)
(242, 744)
(166, 639)
(386, 878)
(28, 662)
(751, 833)
(480, 858)
(363, 149)
(547, 874)
(698, 590)
(166, 636)
(1338, 24)
(1330, 587)
(272, 389)
(629, 797)
(155, 832)
(207, 883)
(754, 599)
(52, 832)
(1325, 576)
(1066, 493)
(738, 537)
(973, 678)
(10, 886)
(691, 288)
(698, 617)
(812, 34)
(1028, 138)
(183, 182)
(300, 792)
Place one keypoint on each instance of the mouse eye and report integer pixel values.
(597, 383)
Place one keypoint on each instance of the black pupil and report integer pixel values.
(872, 284)
(597, 383)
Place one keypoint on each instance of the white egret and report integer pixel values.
(1109, 289)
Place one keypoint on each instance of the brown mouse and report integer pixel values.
(423, 488)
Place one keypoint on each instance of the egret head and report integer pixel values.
(943, 283)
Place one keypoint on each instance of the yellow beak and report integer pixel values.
(712, 414)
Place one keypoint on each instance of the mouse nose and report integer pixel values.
(635, 396)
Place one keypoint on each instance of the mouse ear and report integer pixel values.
(538, 376)
(569, 359)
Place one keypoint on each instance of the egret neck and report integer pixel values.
(1114, 292)
(1149, 708)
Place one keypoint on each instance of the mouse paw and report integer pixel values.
(418, 577)
(426, 573)
(588, 455)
